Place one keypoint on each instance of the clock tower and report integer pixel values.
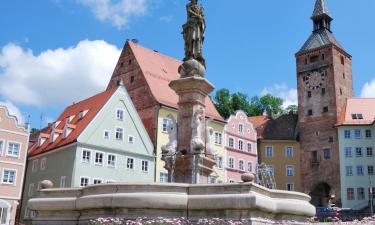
(324, 80)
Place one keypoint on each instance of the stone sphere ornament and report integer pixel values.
(248, 177)
(192, 68)
(46, 184)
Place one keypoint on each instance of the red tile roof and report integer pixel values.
(363, 106)
(91, 105)
(159, 70)
(259, 123)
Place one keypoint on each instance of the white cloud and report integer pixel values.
(368, 90)
(56, 77)
(14, 111)
(288, 95)
(166, 19)
(117, 12)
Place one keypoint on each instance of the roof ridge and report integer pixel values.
(153, 51)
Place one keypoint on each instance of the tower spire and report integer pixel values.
(321, 16)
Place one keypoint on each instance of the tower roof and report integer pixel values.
(320, 9)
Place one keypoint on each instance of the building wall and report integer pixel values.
(317, 131)
(366, 180)
(280, 161)
(11, 132)
(248, 136)
(162, 139)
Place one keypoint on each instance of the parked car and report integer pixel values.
(324, 214)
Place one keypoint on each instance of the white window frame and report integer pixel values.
(287, 152)
(219, 162)
(363, 170)
(234, 163)
(347, 170)
(269, 147)
(243, 165)
(122, 136)
(145, 169)
(229, 142)
(164, 125)
(14, 179)
(292, 185)
(84, 161)
(346, 150)
(131, 137)
(2, 147)
(122, 114)
(127, 163)
(163, 175)
(271, 168)
(240, 128)
(30, 192)
(287, 171)
(35, 165)
(249, 167)
(104, 134)
(103, 158)
(43, 164)
(249, 144)
(355, 134)
(19, 149)
(240, 144)
(218, 138)
(80, 181)
(115, 161)
(97, 179)
(347, 136)
(63, 182)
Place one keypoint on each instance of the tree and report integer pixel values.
(292, 109)
(255, 107)
(223, 102)
(240, 101)
(271, 104)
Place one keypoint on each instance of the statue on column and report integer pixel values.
(193, 33)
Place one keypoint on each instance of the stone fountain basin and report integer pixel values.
(130, 201)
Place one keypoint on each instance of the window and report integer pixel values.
(144, 166)
(270, 170)
(163, 177)
(309, 94)
(289, 152)
(13, 149)
(249, 167)
(99, 158)
(98, 181)
(269, 151)
(249, 147)
(369, 152)
(106, 135)
(325, 109)
(119, 134)
(4, 214)
(62, 182)
(368, 134)
(314, 58)
(131, 139)
(357, 133)
(130, 163)
(349, 170)
(330, 140)
(371, 192)
(290, 171)
(350, 193)
(212, 180)
(231, 181)
(219, 162)
(240, 145)
(165, 125)
(120, 114)
(86, 156)
(343, 76)
(357, 116)
(360, 170)
(218, 138)
(358, 152)
(35, 165)
(347, 134)
(290, 187)
(323, 57)
(43, 164)
(327, 153)
(131, 79)
(342, 60)
(323, 91)
(111, 160)
(1, 147)
(84, 181)
(9, 176)
(310, 112)
(231, 163)
(370, 170)
(348, 152)
(361, 193)
(31, 190)
(231, 142)
(241, 165)
(240, 128)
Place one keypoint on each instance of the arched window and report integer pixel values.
(4, 212)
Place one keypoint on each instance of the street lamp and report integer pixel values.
(370, 197)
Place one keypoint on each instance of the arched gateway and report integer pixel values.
(321, 195)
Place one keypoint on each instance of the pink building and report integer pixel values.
(13, 148)
(241, 147)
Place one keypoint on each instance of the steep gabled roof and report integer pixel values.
(320, 9)
(283, 127)
(259, 123)
(358, 111)
(80, 115)
(320, 38)
(159, 70)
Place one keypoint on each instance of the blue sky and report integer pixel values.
(54, 52)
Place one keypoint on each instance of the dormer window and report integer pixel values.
(69, 119)
(357, 116)
(41, 141)
(82, 114)
(67, 131)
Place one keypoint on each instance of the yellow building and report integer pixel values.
(279, 149)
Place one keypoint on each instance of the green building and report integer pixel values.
(98, 140)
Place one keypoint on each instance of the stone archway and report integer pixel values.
(4, 212)
(321, 195)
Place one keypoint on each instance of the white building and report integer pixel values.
(357, 157)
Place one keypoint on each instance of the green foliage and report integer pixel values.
(227, 103)
(292, 109)
(34, 130)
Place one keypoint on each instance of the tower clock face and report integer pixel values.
(314, 80)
